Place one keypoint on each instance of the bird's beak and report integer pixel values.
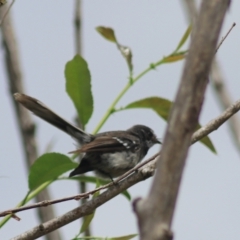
(157, 140)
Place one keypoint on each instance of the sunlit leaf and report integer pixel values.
(173, 58)
(126, 52)
(184, 38)
(127, 237)
(78, 87)
(107, 33)
(47, 167)
(162, 107)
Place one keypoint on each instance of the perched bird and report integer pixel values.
(109, 154)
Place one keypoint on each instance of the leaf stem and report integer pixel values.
(111, 108)
(124, 90)
(130, 83)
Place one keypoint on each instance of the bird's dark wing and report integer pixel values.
(109, 144)
(42, 111)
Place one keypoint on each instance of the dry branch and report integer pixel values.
(156, 212)
(219, 83)
(24, 121)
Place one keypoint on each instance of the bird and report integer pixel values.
(110, 154)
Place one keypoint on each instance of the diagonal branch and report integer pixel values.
(225, 100)
(24, 121)
(123, 183)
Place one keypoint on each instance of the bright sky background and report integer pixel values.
(208, 203)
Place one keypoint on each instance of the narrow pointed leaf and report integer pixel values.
(88, 219)
(107, 33)
(173, 58)
(184, 38)
(78, 87)
(127, 237)
(47, 167)
(127, 195)
(162, 107)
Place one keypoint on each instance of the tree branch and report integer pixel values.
(84, 210)
(3, 16)
(24, 121)
(219, 84)
(123, 183)
(156, 212)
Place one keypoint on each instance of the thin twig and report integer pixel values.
(222, 40)
(217, 122)
(198, 135)
(83, 210)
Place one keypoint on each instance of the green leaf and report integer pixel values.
(127, 237)
(162, 107)
(87, 179)
(126, 52)
(78, 87)
(48, 167)
(207, 142)
(184, 37)
(107, 33)
(174, 57)
(88, 219)
(86, 222)
(127, 195)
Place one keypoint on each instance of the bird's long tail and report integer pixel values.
(42, 111)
